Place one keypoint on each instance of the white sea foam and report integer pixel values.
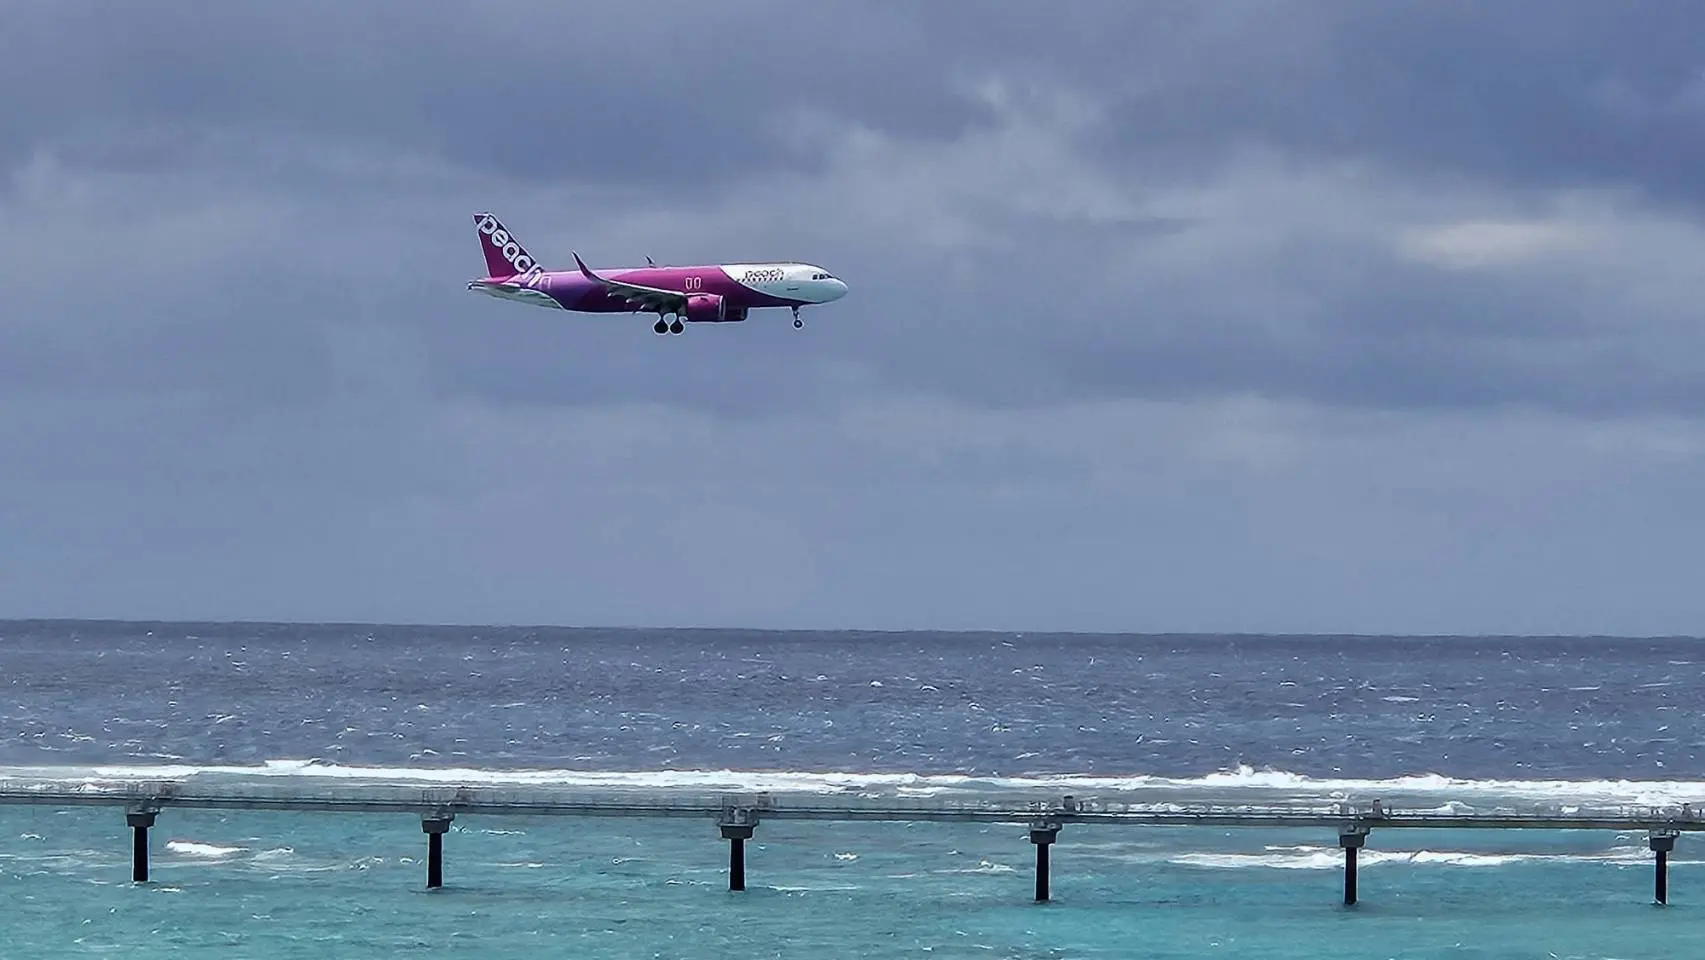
(1304, 857)
(983, 866)
(207, 851)
(1330, 858)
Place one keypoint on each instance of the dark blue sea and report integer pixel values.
(1431, 723)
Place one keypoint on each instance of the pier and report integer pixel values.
(737, 816)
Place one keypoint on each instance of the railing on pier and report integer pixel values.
(336, 795)
(738, 814)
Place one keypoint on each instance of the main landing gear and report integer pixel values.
(661, 327)
(797, 323)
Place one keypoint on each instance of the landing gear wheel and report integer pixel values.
(797, 323)
(676, 327)
(660, 327)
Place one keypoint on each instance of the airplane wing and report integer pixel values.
(652, 299)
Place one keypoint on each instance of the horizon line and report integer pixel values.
(959, 631)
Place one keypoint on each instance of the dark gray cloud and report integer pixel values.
(1536, 94)
(607, 91)
(1259, 316)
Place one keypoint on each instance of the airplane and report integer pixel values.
(720, 293)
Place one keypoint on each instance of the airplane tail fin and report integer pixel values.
(504, 255)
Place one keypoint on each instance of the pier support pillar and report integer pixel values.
(737, 834)
(435, 827)
(1351, 839)
(1043, 836)
(1661, 842)
(140, 821)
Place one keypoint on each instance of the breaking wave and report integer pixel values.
(1331, 858)
(206, 851)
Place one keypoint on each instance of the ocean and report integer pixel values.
(1418, 722)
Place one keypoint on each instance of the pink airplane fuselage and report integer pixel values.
(574, 292)
(711, 293)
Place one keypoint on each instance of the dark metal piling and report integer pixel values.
(1351, 839)
(1661, 842)
(737, 824)
(737, 835)
(140, 821)
(435, 827)
(1043, 835)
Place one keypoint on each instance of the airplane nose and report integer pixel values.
(838, 288)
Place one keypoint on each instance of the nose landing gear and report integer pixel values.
(797, 323)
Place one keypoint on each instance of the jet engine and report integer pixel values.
(711, 308)
(704, 308)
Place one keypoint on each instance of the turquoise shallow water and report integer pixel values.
(1427, 724)
(267, 885)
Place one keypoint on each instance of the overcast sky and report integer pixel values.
(1244, 316)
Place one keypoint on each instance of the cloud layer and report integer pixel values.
(1253, 317)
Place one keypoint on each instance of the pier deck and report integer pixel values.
(738, 814)
(316, 795)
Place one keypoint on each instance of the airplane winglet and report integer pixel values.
(585, 270)
(655, 298)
